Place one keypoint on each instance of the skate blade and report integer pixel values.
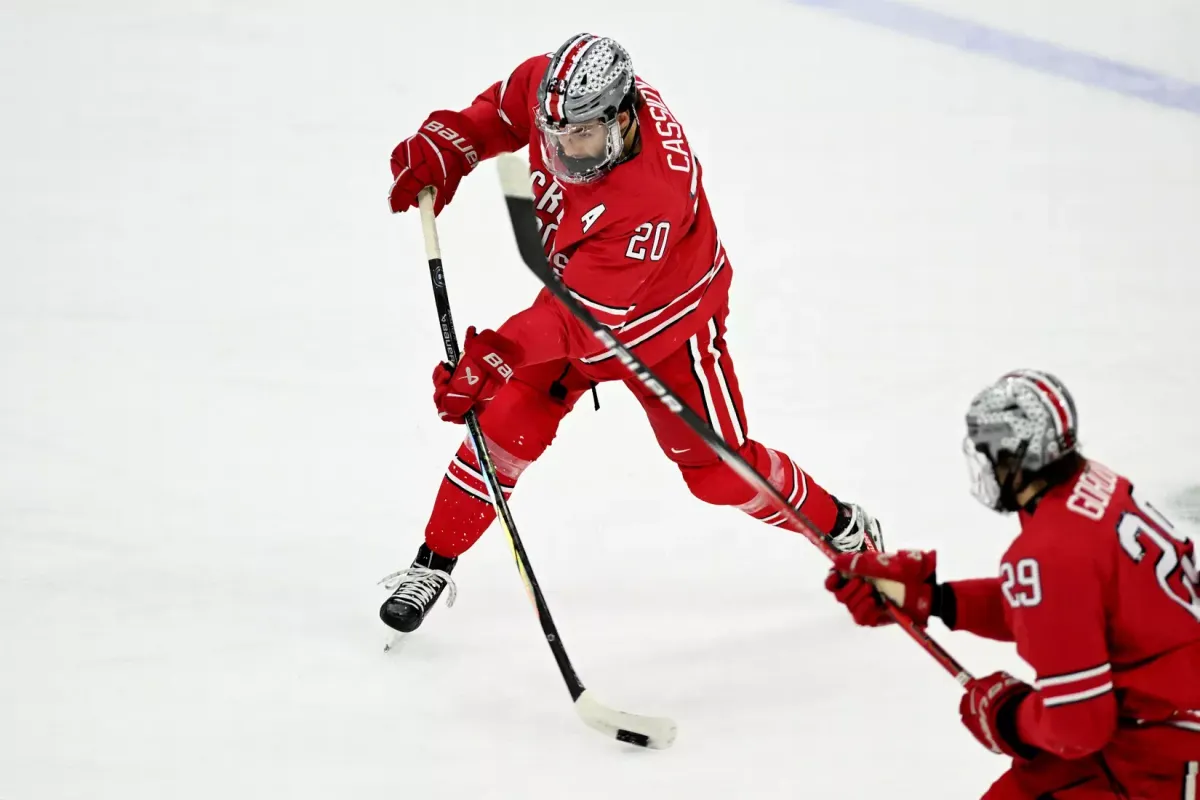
(395, 642)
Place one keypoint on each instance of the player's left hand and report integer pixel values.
(989, 710)
(909, 577)
(486, 364)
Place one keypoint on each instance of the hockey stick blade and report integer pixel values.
(657, 733)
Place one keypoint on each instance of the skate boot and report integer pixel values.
(855, 530)
(416, 589)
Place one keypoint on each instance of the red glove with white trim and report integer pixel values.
(909, 577)
(487, 362)
(438, 155)
(989, 710)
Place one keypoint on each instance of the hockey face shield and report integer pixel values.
(984, 486)
(579, 152)
(993, 482)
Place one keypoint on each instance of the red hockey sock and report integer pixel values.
(518, 425)
(463, 509)
(800, 490)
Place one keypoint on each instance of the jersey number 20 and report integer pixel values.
(1176, 568)
(637, 245)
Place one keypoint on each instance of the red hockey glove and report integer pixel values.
(438, 155)
(989, 710)
(860, 597)
(487, 362)
(911, 573)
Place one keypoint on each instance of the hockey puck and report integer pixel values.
(640, 739)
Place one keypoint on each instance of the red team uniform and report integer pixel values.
(640, 250)
(635, 242)
(1099, 591)
(1099, 594)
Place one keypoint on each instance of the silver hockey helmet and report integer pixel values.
(1026, 421)
(587, 83)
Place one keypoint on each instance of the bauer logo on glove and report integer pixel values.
(486, 364)
(461, 143)
(497, 361)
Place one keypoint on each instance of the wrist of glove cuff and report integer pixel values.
(945, 605)
(1006, 729)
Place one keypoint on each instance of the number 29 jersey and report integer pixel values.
(1099, 592)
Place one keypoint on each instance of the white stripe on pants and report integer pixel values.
(713, 384)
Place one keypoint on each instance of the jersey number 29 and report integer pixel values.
(1176, 567)
(1022, 586)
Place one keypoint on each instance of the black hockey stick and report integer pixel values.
(518, 193)
(655, 732)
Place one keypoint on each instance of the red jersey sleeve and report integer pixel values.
(502, 112)
(1054, 589)
(979, 608)
(540, 330)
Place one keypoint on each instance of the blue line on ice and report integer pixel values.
(1046, 57)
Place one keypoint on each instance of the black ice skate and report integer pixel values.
(416, 590)
(855, 530)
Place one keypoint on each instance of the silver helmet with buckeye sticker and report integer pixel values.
(587, 83)
(1024, 421)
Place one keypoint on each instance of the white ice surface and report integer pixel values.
(1157, 34)
(216, 430)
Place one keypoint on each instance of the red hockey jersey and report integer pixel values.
(1099, 592)
(638, 248)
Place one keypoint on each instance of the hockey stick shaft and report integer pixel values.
(514, 176)
(644, 731)
(450, 339)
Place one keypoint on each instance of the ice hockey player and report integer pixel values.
(625, 220)
(1099, 593)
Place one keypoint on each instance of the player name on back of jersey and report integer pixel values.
(678, 156)
(1092, 493)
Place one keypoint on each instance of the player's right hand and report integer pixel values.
(907, 577)
(989, 710)
(438, 155)
(487, 362)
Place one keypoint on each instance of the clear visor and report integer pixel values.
(581, 152)
(984, 485)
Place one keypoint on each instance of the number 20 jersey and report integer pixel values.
(638, 248)
(1099, 592)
